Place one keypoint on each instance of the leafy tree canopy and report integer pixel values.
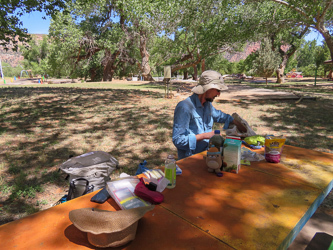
(267, 61)
(11, 28)
(315, 14)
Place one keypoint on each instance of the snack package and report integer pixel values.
(273, 148)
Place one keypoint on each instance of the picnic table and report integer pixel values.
(262, 207)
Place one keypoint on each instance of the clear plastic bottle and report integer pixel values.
(170, 171)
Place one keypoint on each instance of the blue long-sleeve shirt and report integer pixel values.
(190, 119)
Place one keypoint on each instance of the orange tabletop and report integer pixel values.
(262, 207)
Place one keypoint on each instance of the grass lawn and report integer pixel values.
(41, 126)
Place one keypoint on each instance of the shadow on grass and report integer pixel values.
(41, 127)
(307, 124)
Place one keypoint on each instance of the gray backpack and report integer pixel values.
(88, 172)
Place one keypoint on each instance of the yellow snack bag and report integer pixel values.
(273, 148)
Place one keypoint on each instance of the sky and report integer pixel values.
(36, 25)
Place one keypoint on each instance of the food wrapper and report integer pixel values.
(273, 148)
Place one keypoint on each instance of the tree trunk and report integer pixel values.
(280, 73)
(144, 66)
(285, 54)
(195, 74)
(327, 36)
(185, 75)
(203, 66)
(109, 63)
(92, 74)
(285, 57)
(266, 80)
(282, 67)
(107, 72)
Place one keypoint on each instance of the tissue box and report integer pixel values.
(232, 154)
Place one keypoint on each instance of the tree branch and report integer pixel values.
(187, 65)
(292, 7)
(328, 6)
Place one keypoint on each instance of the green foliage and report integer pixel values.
(52, 177)
(308, 70)
(14, 170)
(240, 66)
(93, 42)
(267, 61)
(191, 34)
(313, 14)
(291, 64)
(42, 202)
(64, 44)
(248, 66)
(305, 55)
(97, 39)
(220, 64)
(35, 56)
(24, 187)
(319, 56)
(5, 189)
(310, 56)
(10, 71)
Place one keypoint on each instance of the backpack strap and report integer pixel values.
(72, 188)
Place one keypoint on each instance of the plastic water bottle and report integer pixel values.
(170, 171)
(216, 140)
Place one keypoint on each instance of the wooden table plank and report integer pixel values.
(252, 209)
(52, 229)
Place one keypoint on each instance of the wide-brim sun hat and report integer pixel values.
(108, 228)
(209, 79)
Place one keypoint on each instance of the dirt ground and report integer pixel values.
(235, 91)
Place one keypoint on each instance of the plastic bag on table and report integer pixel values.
(233, 131)
(249, 155)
